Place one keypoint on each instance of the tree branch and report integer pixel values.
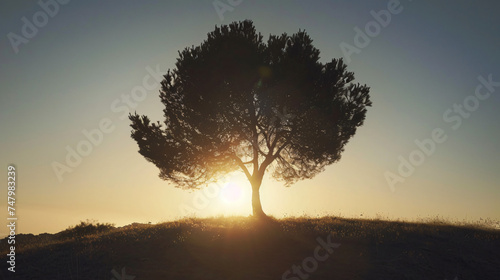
(280, 149)
(241, 164)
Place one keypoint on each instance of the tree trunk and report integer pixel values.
(256, 205)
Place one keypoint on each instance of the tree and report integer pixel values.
(237, 103)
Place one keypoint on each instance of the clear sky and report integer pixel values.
(71, 70)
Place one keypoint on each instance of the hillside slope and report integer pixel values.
(242, 248)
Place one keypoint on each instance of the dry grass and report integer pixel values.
(244, 248)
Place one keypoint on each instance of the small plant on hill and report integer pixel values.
(85, 228)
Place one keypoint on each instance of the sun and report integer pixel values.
(234, 196)
(231, 193)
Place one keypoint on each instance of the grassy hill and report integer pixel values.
(243, 248)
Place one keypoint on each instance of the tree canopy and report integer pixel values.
(236, 102)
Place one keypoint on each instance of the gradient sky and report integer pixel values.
(71, 75)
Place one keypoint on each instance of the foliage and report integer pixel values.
(238, 103)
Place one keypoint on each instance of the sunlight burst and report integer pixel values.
(234, 196)
(231, 193)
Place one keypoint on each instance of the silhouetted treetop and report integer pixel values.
(237, 102)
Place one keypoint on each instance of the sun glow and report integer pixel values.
(235, 195)
(231, 193)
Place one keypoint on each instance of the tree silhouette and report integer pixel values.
(237, 103)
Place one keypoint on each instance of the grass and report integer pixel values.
(244, 248)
